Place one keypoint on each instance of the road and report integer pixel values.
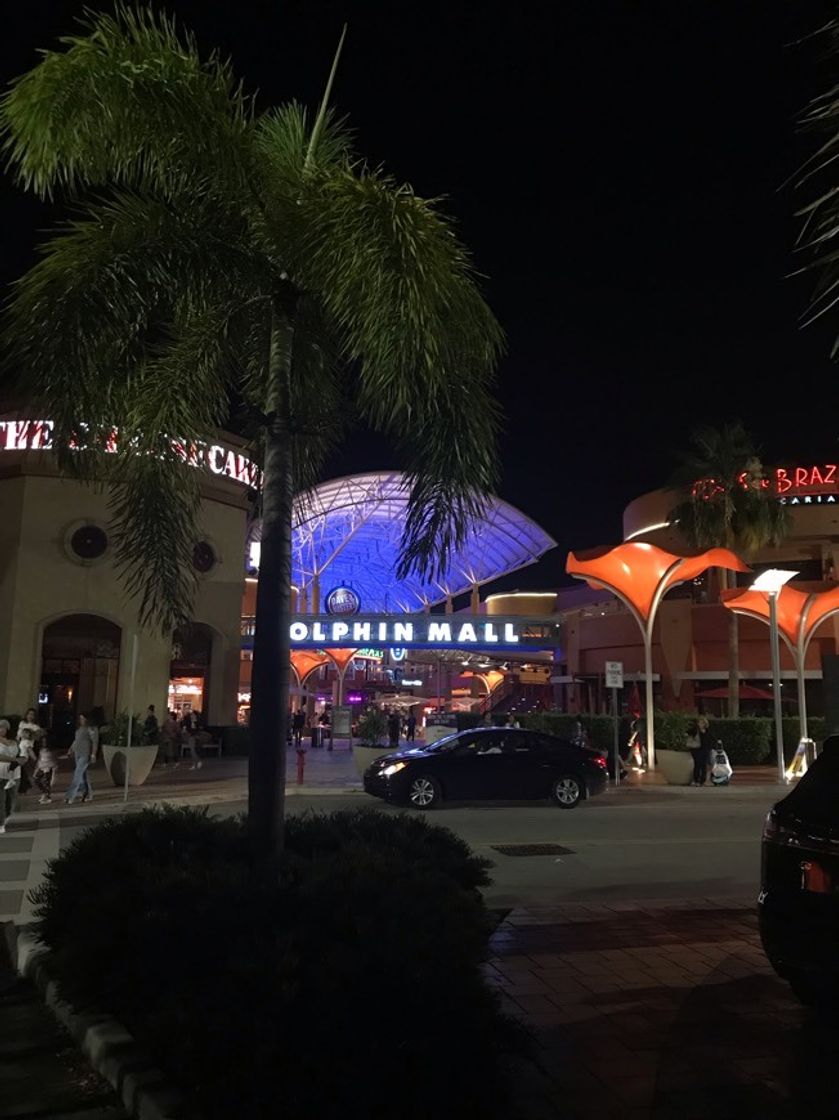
(626, 847)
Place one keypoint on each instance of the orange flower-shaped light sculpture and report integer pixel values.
(640, 575)
(799, 615)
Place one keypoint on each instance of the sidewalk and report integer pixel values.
(219, 780)
(662, 1012)
(42, 1073)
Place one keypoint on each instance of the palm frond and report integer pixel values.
(109, 293)
(400, 288)
(130, 101)
(154, 501)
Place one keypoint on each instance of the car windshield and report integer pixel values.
(444, 744)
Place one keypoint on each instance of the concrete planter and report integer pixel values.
(366, 756)
(139, 767)
(676, 766)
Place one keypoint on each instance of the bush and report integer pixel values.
(233, 978)
(816, 727)
(746, 740)
(372, 727)
(671, 730)
(235, 740)
(314, 835)
(599, 729)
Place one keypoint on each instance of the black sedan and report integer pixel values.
(493, 763)
(799, 897)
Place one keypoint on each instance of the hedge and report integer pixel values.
(747, 740)
(234, 977)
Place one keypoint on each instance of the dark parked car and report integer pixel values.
(501, 763)
(799, 897)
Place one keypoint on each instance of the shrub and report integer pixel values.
(231, 978)
(671, 730)
(116, 732)
(746, 740)
(235, 740)
(313, 835)
(372, 727)
(599, 729)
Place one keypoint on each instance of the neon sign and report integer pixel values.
(791, 485)
(405, 631)
(36, 435)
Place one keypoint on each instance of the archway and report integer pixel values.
(190, 670)
(79, 671)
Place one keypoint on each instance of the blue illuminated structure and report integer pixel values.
(347, 533)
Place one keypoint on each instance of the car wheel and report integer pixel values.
(567, 791)
(424, 792)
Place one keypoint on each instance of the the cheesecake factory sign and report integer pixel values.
(422, 631)
(814, 485)
(36, 435)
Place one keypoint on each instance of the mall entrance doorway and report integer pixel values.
(79, 672)
(189, 671)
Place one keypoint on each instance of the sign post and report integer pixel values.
(614, 680)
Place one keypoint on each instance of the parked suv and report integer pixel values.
(799, 897)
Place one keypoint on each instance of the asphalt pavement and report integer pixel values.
(647, 845)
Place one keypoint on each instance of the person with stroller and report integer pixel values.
(700, 744)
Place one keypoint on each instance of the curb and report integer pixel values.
(106, 1044)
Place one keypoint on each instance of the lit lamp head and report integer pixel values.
(772, 580)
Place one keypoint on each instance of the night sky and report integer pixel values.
(617, 169)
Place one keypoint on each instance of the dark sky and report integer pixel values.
(617, 168)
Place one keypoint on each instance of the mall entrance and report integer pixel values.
(189, 670)
(79, 672)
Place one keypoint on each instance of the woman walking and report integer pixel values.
(83, 752)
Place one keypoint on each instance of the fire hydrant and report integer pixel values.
(301, 764)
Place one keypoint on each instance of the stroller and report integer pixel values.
(721, 770)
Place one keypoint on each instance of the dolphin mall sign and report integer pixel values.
(423, 631)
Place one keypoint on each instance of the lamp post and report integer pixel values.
(770, 583)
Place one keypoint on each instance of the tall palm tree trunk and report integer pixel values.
(271, 646)
(733, 655)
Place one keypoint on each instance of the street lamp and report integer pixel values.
(770, 583)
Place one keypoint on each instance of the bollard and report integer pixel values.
(301, 763)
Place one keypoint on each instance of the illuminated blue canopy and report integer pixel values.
(347, 533)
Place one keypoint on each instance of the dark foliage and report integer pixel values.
(315, 835)
(349, 983)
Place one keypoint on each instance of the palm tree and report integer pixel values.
(221, 257)
(726, 502)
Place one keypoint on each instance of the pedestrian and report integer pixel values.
(95, 723)
(171, 736)
(26, 757)
(9, 767)
(45, 768)
(83, 752)
(191, 732)
(298, 723)
(151, 728)
(699, 744)
(30, 722)
(393, 728)
(411, 727)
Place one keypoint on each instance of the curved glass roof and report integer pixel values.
(347, 532)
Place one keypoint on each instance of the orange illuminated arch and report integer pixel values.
(640, 574)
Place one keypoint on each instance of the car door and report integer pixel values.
(475, 769)
(528, 768)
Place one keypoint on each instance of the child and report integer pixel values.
(26, 754)
(45, 768)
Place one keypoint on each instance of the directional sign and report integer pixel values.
(614, 674)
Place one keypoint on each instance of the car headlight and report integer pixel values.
(394, 768)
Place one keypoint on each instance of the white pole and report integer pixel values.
(617, 760)
(131, 682)
(648, 672)
(776, 682)
(800, 656)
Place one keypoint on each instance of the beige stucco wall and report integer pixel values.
(40, 582)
